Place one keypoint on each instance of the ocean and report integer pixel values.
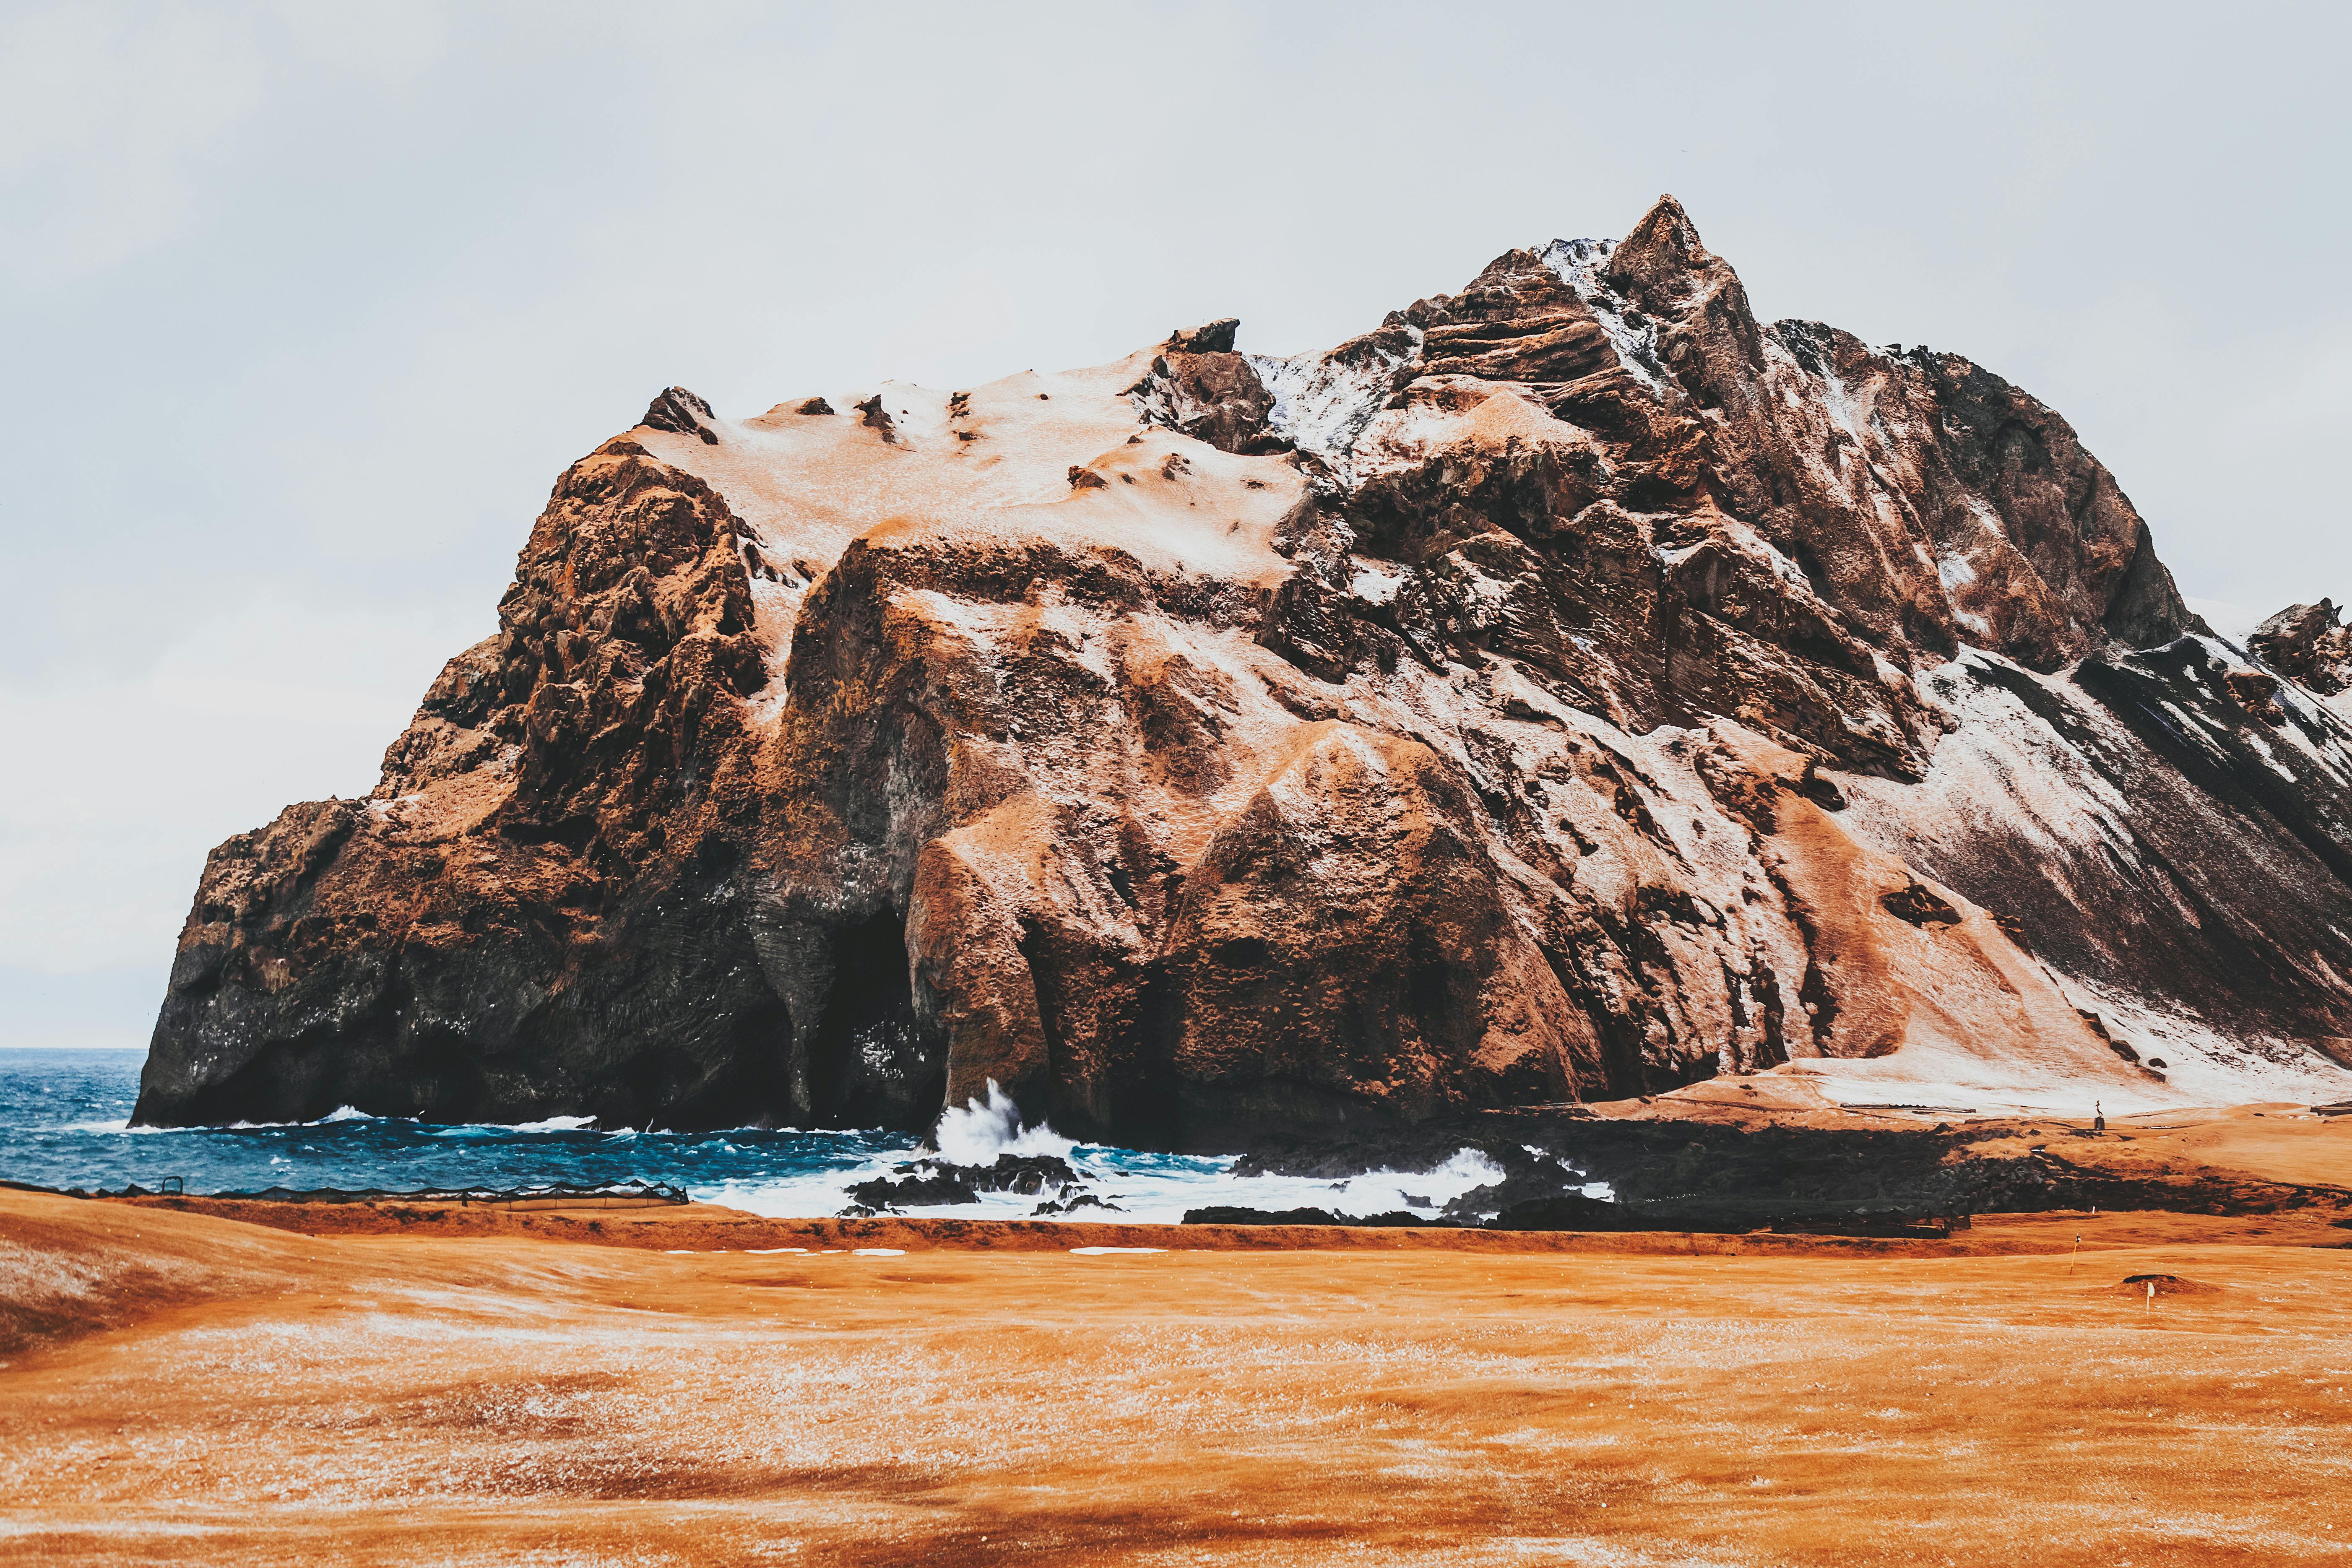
(64, 1118)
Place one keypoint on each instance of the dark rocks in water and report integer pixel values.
(1018, 1173)
(1528, 1177)
(1075, 1202)
(924, 1186)
(936, 1182)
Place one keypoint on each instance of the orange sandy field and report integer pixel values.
(446, 1386)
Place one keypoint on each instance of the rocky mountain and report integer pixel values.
(1570, 687)
(2309, 645)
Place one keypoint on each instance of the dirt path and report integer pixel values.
(210, 1391)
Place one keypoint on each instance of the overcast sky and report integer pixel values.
(303, 307)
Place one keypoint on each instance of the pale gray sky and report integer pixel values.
(303, 307)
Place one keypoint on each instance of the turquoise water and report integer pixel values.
(64, 1114)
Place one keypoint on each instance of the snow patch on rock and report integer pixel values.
(1323, 402)
(1582, 265)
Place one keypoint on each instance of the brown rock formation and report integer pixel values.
(1571, 688)
(2306, 643)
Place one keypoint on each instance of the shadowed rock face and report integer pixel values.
(1571, 688)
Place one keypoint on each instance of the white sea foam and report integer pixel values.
(977, 1133)
(1142, 1188)
(340, 1113)
(880, 1252)
(554, 1124)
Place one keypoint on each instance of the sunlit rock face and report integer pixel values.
(1571, 688)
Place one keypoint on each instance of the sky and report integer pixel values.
(304, 306)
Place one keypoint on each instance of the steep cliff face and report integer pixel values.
(536, 907)
(1570, 687)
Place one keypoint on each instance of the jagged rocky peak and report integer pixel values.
(1570, 687)
(2306, 643)
(681, 413)
(1612, 405)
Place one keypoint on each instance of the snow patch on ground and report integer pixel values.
(2204, 1067)
(1374, 585)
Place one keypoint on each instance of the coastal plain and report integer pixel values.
(429, 1385)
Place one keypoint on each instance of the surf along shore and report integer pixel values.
(196, 1380)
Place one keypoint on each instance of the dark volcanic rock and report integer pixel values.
(1569, 688)
(1394, 1219)
(939, 1181)
(1528, 1177)
(944, 1181)
(1561, 1211)
(1017, 1173)
(1075, 1202)
(885, 1194)
(1227, 1214)
(1716, 1177)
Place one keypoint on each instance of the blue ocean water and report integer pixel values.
(64, 1114)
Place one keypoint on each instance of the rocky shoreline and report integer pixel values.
(1667, 1173)
(1693, 1175)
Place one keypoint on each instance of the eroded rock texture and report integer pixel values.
(1571, 688)
(2309, 643)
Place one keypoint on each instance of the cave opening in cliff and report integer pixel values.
(872, 1064)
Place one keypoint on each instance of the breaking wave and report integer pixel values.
(977, 1132)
